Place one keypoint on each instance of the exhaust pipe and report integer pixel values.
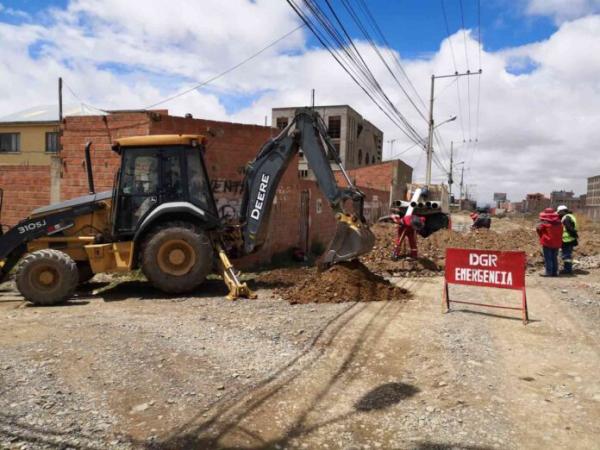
(88, 167)
(435, 205)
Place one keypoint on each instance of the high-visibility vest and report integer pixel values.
(566, 236)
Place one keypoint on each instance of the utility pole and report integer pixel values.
(312, 99)
(60, 101)
(450, 174)
(430, 135)
(431, 121)
(462, 177)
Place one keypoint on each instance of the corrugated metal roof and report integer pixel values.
(48, 113)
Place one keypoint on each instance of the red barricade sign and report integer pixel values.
(491, 268)
(487, 268)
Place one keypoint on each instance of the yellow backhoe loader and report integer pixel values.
(161, 217)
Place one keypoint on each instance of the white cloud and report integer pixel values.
(537, 130)
(563, 10)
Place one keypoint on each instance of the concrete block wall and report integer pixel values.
(25, 188)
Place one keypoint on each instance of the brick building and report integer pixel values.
(535, 203)
(377, 177)
(301, 216)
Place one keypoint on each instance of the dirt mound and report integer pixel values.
(432, 249)
(379, 259)
(345, 282)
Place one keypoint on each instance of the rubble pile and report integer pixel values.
(344, 282)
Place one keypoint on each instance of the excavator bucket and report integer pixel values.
(352, 239)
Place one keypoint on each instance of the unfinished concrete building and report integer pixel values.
(358, 142)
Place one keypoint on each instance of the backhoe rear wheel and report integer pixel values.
(177, 257)
(47, 277)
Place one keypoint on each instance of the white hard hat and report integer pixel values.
(562, 208)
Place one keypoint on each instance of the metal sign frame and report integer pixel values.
(486, 268)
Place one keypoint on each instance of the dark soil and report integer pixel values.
(344, 282)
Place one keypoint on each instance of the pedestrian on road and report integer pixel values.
(550, 231)
(570, 238)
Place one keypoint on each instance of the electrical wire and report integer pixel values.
(462, 19)
(460, 108)
(337, 41)
(79, 98)
(225, 72)
(350, 41)
(395, 57)
(352, 12)
(479, 77)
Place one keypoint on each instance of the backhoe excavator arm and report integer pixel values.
(263, 175)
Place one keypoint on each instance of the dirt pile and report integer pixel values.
(345, 282)
(379, 259)
(432, 249)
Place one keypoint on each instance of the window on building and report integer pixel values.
(334, 127)
(359, 156)
(10, 142)
(303, 173)
(373, 160)
(52, 142)
(367, 159)
(282, 122)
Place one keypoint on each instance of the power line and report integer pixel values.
(458, 96)
(462, 19)
(337, 41)
(79, 98)
(225, 72)
(395, 155)
(479, 78)
(395, 57)
(374, 25)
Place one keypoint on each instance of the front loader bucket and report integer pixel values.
(352, 239)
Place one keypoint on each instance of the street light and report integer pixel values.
(430, 146)
(451, 119)
(422, 141)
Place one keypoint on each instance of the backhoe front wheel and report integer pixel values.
(177, 257)
(47, 277)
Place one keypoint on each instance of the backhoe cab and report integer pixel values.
(161, 217)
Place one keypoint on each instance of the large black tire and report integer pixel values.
(176, 257)
(47, 277)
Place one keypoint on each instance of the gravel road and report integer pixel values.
(126, 367)
(122, 369)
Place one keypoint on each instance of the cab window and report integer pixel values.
(197, 184)
(139, 187)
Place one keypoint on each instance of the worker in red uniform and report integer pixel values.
(407, 229)
(550, 231)
(481, 219)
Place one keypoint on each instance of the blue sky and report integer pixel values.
(414, 28)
